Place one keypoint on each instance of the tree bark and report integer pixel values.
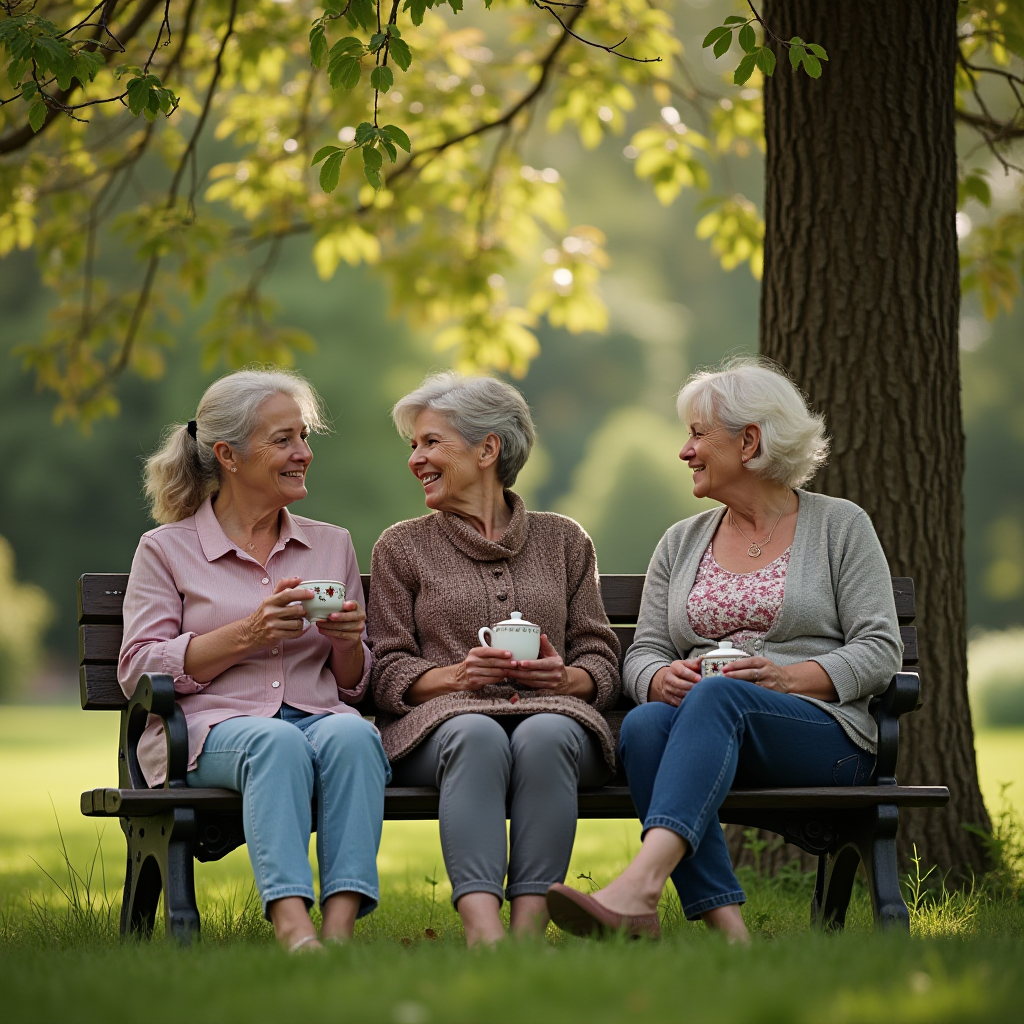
(860, 302)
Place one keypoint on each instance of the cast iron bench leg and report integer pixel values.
(160, 858)
(834, 886)
(878, 849)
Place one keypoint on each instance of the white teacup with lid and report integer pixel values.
(515, 634)
(712, 663)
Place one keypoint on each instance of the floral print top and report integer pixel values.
(740, 607)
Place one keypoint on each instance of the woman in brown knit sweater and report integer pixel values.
(488, 731)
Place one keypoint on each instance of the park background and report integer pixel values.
(71, 501)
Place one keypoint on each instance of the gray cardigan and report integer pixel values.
(838, 608)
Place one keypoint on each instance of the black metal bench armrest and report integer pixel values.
(901, 697)
(154, 695)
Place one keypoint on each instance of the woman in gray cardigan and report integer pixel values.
(799, 582)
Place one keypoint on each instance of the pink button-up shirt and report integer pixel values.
(187, 579)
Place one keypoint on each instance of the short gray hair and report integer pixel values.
(749, 390)
(475, 407)
(184, 470)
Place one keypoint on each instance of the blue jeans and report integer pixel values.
(681, 763)
(278, 764)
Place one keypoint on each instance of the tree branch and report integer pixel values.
(22, 136)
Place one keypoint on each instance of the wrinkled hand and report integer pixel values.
(547, 672)
(483, 666)
(672, 683)
(279, 617)
(760, 671)
(344, 627)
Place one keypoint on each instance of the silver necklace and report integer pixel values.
(755, 549)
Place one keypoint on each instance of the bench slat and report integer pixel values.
(99, 689)
(610, 801)
(101, 596)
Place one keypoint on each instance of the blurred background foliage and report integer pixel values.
(71, 502)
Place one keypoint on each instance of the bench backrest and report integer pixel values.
(101, 622)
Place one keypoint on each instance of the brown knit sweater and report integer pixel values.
(436, 581)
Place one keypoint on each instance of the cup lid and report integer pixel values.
(725, 650)
(516, 619)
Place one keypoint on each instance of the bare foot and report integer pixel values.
(729, 921)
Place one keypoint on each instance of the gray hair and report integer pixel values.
(184, 471)
(749, 390)
(475, 407)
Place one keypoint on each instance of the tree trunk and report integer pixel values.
(860, 302)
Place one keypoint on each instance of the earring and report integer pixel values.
(234, 469)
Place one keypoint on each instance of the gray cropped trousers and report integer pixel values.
(532, 765)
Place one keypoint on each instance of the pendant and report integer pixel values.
(754, 551)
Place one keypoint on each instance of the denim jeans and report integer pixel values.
(278, 765)
(681, 763)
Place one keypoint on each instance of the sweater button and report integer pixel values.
(503, 597)
(497, 573)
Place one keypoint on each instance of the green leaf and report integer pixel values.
(723, 44)
(364, 132)
(350, 45)
(747, 38)
(389, 148)
(818, 51)
(400, 53)
(796, 55)
(363, 13)
(416, 9)
(715, 34)
(811, 65)
(382, 78)
(138, 95)
(28, 90)
(64, 72)
(344, 71)
(331, 171)
(765, 59)
(377, 40)
(745, 69)
(735, 19)
(16, 71)
(322, 152)
(317, 45)
(396, 135)
(372, 163)
(37, 115)
(127, 69)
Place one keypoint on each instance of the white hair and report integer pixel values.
(475, 407)
(748, 390)
(184, 470)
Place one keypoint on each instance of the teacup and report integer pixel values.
(516, 635)
(328, 596)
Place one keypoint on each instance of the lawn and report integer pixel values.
(962, 963)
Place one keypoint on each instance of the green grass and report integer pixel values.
(60, 957)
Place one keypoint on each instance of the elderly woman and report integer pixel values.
(212, 600)
(488, 731)
(800, 583)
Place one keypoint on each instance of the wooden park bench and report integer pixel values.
(167, 828)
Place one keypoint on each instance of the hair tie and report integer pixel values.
(192, 429)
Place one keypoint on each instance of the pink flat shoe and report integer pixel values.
(580, 914)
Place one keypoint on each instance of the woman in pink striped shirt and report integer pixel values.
(212, 601)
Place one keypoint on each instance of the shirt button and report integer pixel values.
(757, 644)
(274, 651)
(276, 683)
(265, 580)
